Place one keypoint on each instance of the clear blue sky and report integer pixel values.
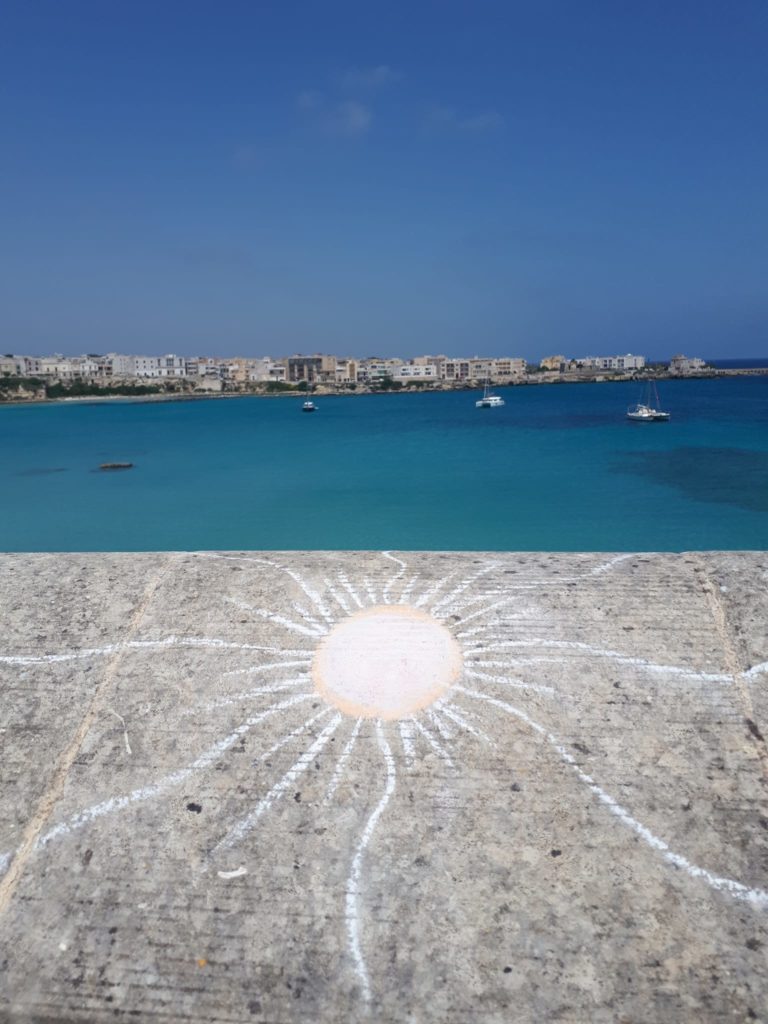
(384, 177)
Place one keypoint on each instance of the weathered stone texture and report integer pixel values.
(577, 831)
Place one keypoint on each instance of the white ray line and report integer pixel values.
(453, 713)
(438, 748)
(306, 615)
(244, 826)
(253, 670)
(279, 620)
(429, 594)
(464, 585)
(337, 597)
(406, 736)
(238, 698)
(441, 727)
(516, 684)
(756, 670)
(477, 630)
(354, 885)
(708, 677)
(125, 730)
(408, 589)
(292, 735)
(482, 611)
(168, 641)
(737, 890)
(297, 579)
(339, 769)
(457, 607)
(370, 591)
(393, 579)
(599, 569)
(174, 779)
(344, 581)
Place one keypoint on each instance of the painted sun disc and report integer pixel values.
(386, 662)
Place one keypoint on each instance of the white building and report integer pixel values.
(683, 364)
(377, 369)
(416, 371)
(346, 371)
(626, 362)
(122, 366)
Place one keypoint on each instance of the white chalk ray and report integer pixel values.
(241, 829)
(435, 589)
(298, 731)
(406, 738)
(246, 695)
(341, 763)
(623, 659)
(737, 890)
(306, 615)
(510, 681)
(344, 581)
(306, 589)
(168, 641)
(439, 607)
(278, 620)
(607, 566)
(394, 578)
(252, 670)
(354, 885)
(340, 601)
(370, 591)
(452, 712)
(438, 748)
(461, 604)
(482, 611)
(440, 726)
(408, 588)
(154, 789)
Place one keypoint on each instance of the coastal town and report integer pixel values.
(37, 378)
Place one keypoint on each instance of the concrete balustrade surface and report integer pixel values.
(418, 787)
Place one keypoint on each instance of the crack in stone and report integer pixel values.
(51, 797)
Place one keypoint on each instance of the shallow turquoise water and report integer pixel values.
(558, 468)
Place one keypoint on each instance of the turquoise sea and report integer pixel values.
(558, 468)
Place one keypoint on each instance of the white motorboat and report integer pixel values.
(489, 400)
(648, 409)
(309, 407)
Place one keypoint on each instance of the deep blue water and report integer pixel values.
(558, 468)
(739, 364)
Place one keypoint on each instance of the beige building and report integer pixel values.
(557, 363)
(316, 369)
(346, 371)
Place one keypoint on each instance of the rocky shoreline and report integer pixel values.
(37, 396)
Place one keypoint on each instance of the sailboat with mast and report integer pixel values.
(489, 400)
(648, 409)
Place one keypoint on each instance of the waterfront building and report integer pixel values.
(557, 363)
(680, 365)
(315, 369)
(415, 371)
(122, 366)
(626, 362)
(346, 371)
(9, 366)
(371, 370)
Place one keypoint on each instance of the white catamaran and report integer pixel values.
(489, 400)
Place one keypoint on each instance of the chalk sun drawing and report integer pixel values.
(419, 665)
